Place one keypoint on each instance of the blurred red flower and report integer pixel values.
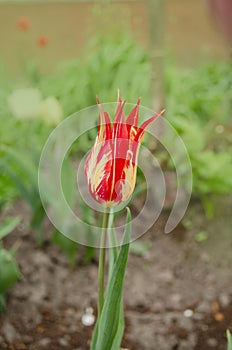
(23, 24)
(42, 41)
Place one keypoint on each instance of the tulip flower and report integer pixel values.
(51, 111)
(23, 24)
(25, 103)
(110, 169)
(42, 41)
(111, 165)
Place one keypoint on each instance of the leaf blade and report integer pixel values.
(108, 328)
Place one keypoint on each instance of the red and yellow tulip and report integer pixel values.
(111, 165)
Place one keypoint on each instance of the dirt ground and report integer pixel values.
(178, 296)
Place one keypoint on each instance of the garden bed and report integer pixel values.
(178, 294)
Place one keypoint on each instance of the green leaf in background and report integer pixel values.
(110, 326)
(66, 245)
(201, 236)
(68, 180)
(88, 217)
(38, 216)
(117, 63)
(229, 339)
(8, 226)
(23, 171)
(140, 247)
(18, 182)
(9, 272)
(25, 163)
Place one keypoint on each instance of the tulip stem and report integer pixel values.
(101, 269)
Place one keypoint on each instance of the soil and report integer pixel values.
(178, 294)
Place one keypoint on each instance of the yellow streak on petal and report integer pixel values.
(96, 168)
(99, 172)
(128, 185)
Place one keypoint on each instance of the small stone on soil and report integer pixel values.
(88, 318)
(44, 342)
(188, 313)
(9, 332)
(63, 342)
(212, 342)
(224, 300)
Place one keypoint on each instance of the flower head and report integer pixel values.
(25, 103)
(51, 111)
(23, 24)
(42, 41)
(111, 165)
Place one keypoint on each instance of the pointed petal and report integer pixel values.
(119, 115)
(133, 117)
(145, 124)
(104, 125)
(119, 97)
(108, 126)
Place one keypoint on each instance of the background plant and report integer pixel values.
(198, 104)
(9, 272)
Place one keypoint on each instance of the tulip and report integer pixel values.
(111, 165)
(25, 103)
(23, 24)
(51, 111)
(42, 41)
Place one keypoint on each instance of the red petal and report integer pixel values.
(145, 124)
(133, 117)
(104, 124)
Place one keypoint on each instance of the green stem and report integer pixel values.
(101, 268)
(113, 250)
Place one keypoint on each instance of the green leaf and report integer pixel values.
(89, 254)
(88, 217)
(94, 336)
(68, 247)
(19, 184)
(201, 236)
(187, 223)
(140, 248)
(24, 163)
(121, 325)
(229, 339)
(110, 325)
(36, 221)
(9, 272)
(68, 181)
(113, 254)
(8, 226)
(2, 303)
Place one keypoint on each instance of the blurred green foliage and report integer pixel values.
(105, 67)
(9, 272)
(202, 94)
(198, 105)
(23, 171)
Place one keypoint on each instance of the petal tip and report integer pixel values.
(119, 97)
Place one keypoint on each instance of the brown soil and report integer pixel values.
(176, 274)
